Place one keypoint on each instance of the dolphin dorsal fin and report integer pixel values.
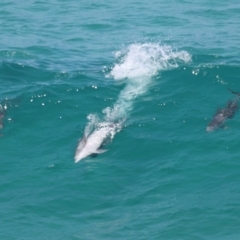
(236, 93)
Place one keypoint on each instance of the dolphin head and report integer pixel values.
(79, 151)
(210, 128)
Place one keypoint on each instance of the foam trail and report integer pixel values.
(135, 66)
(93, 122)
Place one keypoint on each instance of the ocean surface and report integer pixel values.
(158, 69)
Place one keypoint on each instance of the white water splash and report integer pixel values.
(145, 60)
(137, 64)
(93, 121)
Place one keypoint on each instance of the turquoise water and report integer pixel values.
(161, 69)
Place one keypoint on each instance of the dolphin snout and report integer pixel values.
(209, 128)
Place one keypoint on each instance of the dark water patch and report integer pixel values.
(95, 26)
(168, 21)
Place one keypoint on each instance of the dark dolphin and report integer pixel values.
(223, 114)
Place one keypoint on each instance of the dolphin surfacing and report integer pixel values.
(223, 114)
(91, 145)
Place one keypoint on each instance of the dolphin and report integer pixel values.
(223, 114)
(91, 145)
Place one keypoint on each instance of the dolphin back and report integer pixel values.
(225, 113)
